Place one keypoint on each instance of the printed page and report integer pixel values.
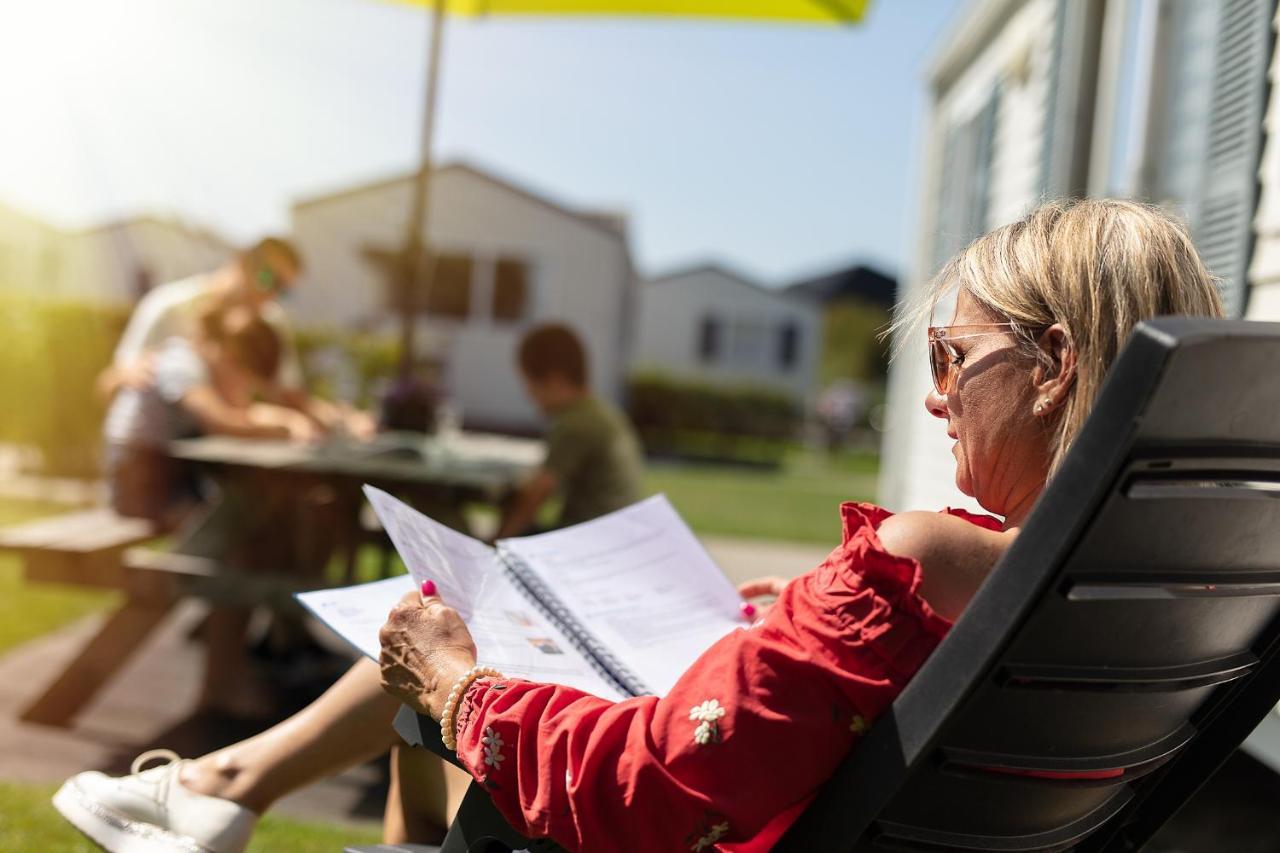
(641, 583)
(357, 613)
(511, 633)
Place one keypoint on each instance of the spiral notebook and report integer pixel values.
(618, 606)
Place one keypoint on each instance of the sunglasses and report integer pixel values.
(270, 281)
(945, 360)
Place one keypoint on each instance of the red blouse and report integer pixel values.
(731, 756)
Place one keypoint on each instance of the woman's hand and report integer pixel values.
(426, 647)
(759, 587)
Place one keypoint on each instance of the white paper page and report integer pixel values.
(509, 632)
(640, 581)
(357, 613)
(461, 567)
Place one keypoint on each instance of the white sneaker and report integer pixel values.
(151, 812)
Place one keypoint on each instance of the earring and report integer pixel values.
(1038, 408)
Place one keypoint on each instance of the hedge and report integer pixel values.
(53, 353)
(691, 419)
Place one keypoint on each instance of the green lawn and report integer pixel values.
(29, 822)
(798, 502)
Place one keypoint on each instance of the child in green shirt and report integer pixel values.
(593, 456)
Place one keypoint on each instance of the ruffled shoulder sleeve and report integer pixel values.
(989, 522)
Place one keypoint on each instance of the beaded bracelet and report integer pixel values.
(448, 725)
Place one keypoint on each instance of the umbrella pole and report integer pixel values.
(415, 268)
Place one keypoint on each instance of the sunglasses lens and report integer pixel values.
(940, 363)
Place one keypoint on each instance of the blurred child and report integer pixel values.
(593, 457)
(199, 386)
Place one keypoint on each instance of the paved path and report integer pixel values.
(743, 559)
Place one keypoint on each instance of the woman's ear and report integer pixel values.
(1056, 373)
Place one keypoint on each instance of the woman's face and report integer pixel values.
(1001, 447)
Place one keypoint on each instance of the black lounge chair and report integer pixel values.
(1121, 650)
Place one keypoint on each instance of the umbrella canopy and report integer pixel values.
(812, 11)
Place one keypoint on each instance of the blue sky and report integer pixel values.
(780, 150)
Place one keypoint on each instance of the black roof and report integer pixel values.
(854, 282)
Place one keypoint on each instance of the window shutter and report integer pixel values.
(965, 185)
(1224, 232)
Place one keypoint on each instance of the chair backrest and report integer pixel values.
(1125, 644)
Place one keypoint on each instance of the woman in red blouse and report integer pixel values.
(729, 758)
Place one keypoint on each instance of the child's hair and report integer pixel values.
(248, 339)
(553, 349)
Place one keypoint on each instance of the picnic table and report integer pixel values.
(440, 475)
(254, 479)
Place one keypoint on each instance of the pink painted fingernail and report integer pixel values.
(748, 609)
(428, 588)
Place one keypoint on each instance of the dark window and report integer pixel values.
(709, 339)
(788, 345)
(510, 289)
(451, 287)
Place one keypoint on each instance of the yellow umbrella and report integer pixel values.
(813, 11)
(412, 271)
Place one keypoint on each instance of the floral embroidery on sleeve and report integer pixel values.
(493, 744)
(708, 715)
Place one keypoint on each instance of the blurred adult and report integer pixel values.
(256, 278)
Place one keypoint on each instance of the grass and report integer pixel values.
(797, 502)
(29, 822)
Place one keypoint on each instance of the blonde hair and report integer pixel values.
(1098, 267)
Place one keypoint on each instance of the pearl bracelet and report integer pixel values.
(448, 723)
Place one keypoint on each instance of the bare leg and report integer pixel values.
(425, 794)
(349, 724)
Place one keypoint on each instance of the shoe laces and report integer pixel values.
(162, 781)
(150, 755)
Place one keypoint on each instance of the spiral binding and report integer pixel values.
(603, 661)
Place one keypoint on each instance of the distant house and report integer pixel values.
(712, 325)
(856, 303)
(508, 258)
(114, 263)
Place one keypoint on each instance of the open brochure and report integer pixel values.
(618, 606)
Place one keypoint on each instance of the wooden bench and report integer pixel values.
(98, 548)
(87, 549)
(83, 548)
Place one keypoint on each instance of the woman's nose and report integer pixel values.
(936, 404)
